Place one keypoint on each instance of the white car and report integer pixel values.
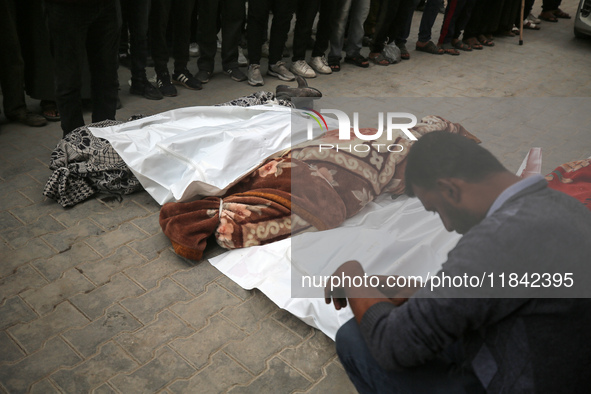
(583, 20)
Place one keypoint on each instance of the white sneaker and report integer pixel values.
(301, 68)
(320, 65)
(280, 71)
(242, 61)
(194, 49)
(533, 19)
(254, 75)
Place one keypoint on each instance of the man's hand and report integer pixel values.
(338, 295)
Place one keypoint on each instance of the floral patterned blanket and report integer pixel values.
(315, 186)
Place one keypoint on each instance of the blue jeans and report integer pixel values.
(358, 9)
(441, 375)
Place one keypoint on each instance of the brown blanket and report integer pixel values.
(307, 189)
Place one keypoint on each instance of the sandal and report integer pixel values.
(50, 111)
(359, 61)
(474, 43)
(530, 25)
(449, 49)
(561, 14)
(462, 46)
(335, 65)
(548, 16)
(379, 59)
(404, 53)
(485, 41)
(429, 47)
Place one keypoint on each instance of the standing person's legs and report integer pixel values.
(258, 18)
(339, 23)
(138, 12)
(282, 15)
(452, 12)
(159, 14)
(305, 14)
(12, 66)
(323, 28)
(207, 31)
(102, 45)
(359, 11)
(441, 375)
(430, 13)
(232, 21)
(181, 19)
(68, 25)
(406, 9)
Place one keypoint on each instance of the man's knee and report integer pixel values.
(348, 338)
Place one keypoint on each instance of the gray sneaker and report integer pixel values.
(254, 75)
(280, 71)
(301, 68)
(320, 65)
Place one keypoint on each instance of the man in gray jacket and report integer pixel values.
(524, 327)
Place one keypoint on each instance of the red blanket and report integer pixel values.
(574, 179)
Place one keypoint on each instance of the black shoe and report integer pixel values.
(186, 79)
(125, 59)
(236, 74)
(146, 89)
(203, 76)
(164, 85)
(28, 118)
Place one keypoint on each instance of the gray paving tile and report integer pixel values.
(146, 306)
(197, 311)
(15, 311)
(293, 323)
(217, 377)
(29, 214)
(149, 274)
(19, 236)
(99, 271)
(45, 299)
(149, 223)
(95, 303)
(24, 278)
(121, 211)
(104, 389)
(197, 277)
(10, 350)
(33, 250)
(145, 201)
(116, 320)
(251, 312)
(106, 243)
(280, 377)
(153, 376)
(142, 343)
(63, 240)
(43, 387)
(56, 265)
(335, 381)
(255, 349)
(151, 247)
(8, 221)
(32, 335)
(56, 354)
(234, 288)
(200, 346)
(111, 361)
(71, 216)
(310, 356)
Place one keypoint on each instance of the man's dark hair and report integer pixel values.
(441, 154)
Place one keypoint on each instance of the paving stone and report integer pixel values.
(115, 321)
(20, 168)
(335, 381)
(33, 193)
(44, 299)
(100, 271)
(217, 377)
(120, 212)
(207, 304)
(146, 306)
(33, 250)
(261, 345)
(149, 224)
(43, 387)
(106, 243)
(198, 347)
(29, 214)
(24, 278)
(110, 362)
(55, 266)
(10, 350)
(63, 240)
(142, 343)
(251, 312)
(71, 216)
(293, 323)
(15, 311)
(20, 236)
(310, 356)
(145, 201)
(151, 247)
(16, 378)
(152, 377)
(104, 389)
(40, 175)
(234, 288)
(197, 277)
(280, 377)
(8, 221)
(149, 274)
(16, 183)
(32, 335)
(94, 303)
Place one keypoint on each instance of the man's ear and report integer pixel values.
(450, 189)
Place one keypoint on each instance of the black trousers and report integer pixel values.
(181, 24)
(232, 14)
(392, 17)
(258, 18)
(323, 28)
(137, 12)
(12, 68)
(78, 31)
(305, 12)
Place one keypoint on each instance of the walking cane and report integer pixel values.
(521, 22)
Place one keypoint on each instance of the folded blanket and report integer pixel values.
(306, 189)
(574, 179)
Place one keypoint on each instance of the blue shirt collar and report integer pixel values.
(513, 190)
